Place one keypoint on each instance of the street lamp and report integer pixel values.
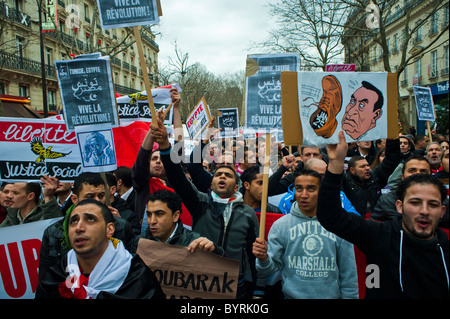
(44, 81)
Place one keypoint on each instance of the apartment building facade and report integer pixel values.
(424, 31)
(78, 32)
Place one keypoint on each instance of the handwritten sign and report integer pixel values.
(30, 148)
(424, 103)
(263, 90)
(186, 275)
(87, 92)
(198, 120)
(127, 13)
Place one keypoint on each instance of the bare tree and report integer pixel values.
(384, 13)
(310, 27)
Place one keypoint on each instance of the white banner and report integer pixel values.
(135, 106)
(30, 148)
(19, 259)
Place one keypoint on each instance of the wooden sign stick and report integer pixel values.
(262, 219)
(148, 88)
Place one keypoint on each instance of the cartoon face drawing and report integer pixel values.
(363, 110)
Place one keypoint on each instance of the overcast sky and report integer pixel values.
(215, 33)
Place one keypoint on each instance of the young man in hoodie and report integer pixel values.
(219, 215)
(314, 263)
(409, 254)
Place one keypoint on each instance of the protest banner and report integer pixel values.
(20, 246)
(186, 275)
(127, 13)
(135, 106)
(30, 148)
(17, 134)
(325, 104)
(425, 106)
(198, 120)
(263, 89)
(228, 121)
(87, 92)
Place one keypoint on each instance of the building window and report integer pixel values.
(418, 31)
(395, 43)
(388, 45)
(446, 61)
(434, 58)
(3, 88)
(419, 66)
(434, 23)
(23, 90)
(19, 46)
(51, 97)
(446, 14)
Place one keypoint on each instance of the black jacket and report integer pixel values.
(127, 214)
(405, 266)
(53, 247)
(207, 219)
(140, 283)
(359, 193)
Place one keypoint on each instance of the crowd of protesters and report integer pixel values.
(338, 209)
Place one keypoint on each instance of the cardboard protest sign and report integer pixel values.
(97, 149)
(87, 92)
(128, 13)
(135, 106)
(424, 103)
(30, 148)
(228, 121)
(198, 120)
(316, 105)
(186, 275)
(19, 259)
(263, 89)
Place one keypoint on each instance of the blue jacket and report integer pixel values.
(286, 202)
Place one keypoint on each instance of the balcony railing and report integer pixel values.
(124, 90)
(15, 15)
(13, 61)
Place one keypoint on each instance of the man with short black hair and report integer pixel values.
(220, 215)
(125, 186)
(299, 247)
(27, 206)
(410, 252)
(86, 186)
(385, 207)
(165, 225)
(363, 186)
(98, 266)
(252, 187)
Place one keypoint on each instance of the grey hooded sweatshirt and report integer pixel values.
(314, 263)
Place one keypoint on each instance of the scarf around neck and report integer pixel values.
(108, 275)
